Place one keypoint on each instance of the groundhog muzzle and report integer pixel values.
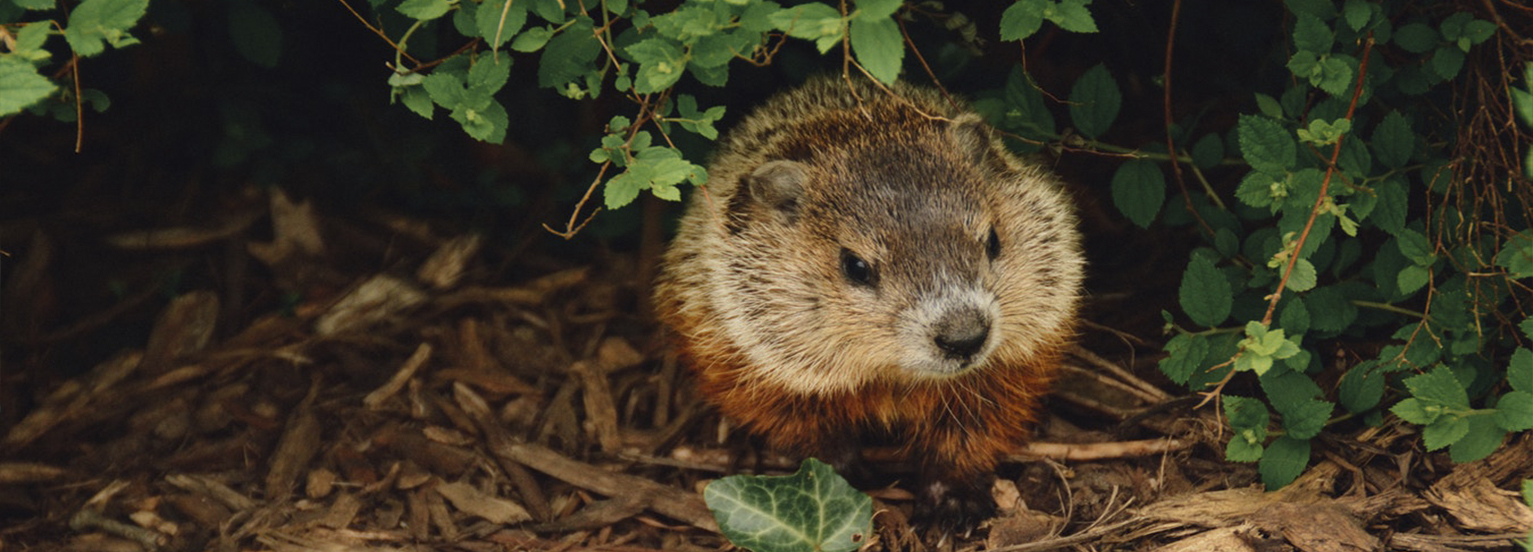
(871, 265)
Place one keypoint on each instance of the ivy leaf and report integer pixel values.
(1265, 144)
(1094, 102)
(97, 21)
(1138, 190)
(814, 509)
(1284, 460)
(879, 46)
(1205, 294)
(21, 85)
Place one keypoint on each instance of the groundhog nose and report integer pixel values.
(962, 334)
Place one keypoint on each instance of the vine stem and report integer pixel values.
(1330, 171)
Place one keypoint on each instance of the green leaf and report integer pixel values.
(484, 121)
(1336, 75)
(1443, 432)
(1361, 388)
(1516, 255)
(661, 64)
(1324, 133)
(812, 21)
(532, 40)
(1416, 38)
(1138, 190)
(1072, 15)
(1284, 460)
(568, 56)
(1519, 371)
(877, 9)
(1184, 355)
(758, 17)
(1208, 151)
(21, 86)
(1439, 387)
(1022, 19)
(424, 10)
(1205, 294)
(1305, 419)
(1447, 62)
(1482, 438)
(687, 24)
(1393, 142)
(1415, 247)
(1032, 117)
(255, 33)
(1357, 13)
(95, 21)
(814, 509)
(1303, 277)
(1412, 278)
(1248, 424)
(1269, 106)
(1094, 102)
(500, 20)
(1265, 144)
(1323, 9)
(879, 47)
(34, 4)
(1311, 34)
(1514, 411)
(1394, 201)
(1415, 411)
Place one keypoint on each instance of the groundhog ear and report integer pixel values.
(971, 134)
(778, 184)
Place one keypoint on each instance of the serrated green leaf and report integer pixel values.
(1323, 9)
(1208, 151)
(1519, 370)
(1072, 15)
(96, 21)
(34, 4)
(1285, 458)
(814, 509)
(1311, 34)
(811, 21)
(1205, 294)
(758, 17)
(661, 64)
(1439, 387)
(1336, 75)
(1022, 19)
(1357, 13)
(1393, 142)
(568, 56)
(1032, 117)
(532, 40)
(1415, 411)
(1412, 278)
(1522, 103)
(1094, 102)
(1138, 190)
(1514, 411)
(1447, 62)
(687, 24)
(1516, 255)
(445, 88)
(483, 121)
(1305, 419)
(1360, 389)
(1265, 144)
(1443, 432)
(498, 21)
(1482, 438)
(552, 11)
(877, 9)
(1269, 106)
(1248, 424)
(1415, 247)
(1416, 38)
(417, 100)
(424, 10)
(879, 47)
(1394, 202)
(21, 86)
(1303, 277)
(1258, 189)
(1185, 354)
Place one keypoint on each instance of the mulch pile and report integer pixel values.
(428, 406)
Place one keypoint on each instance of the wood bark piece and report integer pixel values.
(72, 400)
(470, 500)
(299, 443)
(1315, 527)
(666, 500)
(445, 267)
(1224, 539)
(401, 376)
(184, 328)
(379, 299)
(601, 413)
(1470, 493)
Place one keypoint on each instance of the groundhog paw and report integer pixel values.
(955, 507)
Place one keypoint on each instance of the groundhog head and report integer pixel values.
(913, 253)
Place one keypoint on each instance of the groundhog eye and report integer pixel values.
(856, 269)
(993, 245)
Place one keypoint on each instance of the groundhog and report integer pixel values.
(871, 265)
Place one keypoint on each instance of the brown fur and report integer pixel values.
(783, 339)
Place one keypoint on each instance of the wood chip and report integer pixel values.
(470, 500)
(445, 267)
(380, 298)
(401, 376)
(184, 328)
